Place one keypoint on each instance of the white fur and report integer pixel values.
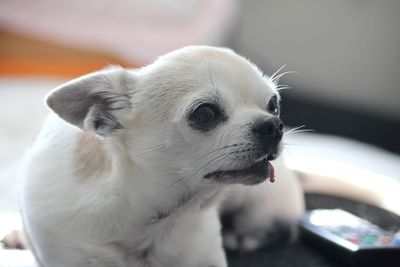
(152, 164)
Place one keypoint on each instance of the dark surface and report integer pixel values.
(303, 255)
(332, 119)
(295, 255)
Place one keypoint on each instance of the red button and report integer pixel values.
(354, 240)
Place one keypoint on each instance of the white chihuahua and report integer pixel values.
(132, 167)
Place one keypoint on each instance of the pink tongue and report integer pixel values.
(271, 174)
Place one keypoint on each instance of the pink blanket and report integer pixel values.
(134, 30)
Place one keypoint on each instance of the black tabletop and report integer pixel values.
(301, 254)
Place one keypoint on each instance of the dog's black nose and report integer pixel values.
(268, 128)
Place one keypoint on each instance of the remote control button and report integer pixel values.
(396, 239)
(354, 240)
(369, 240)
(385, 240)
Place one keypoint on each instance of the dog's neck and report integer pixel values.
(163, 209)
(165, 197)
(157, 204)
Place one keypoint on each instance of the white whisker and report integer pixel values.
(298, 129)
(282, 87)
(276, 73)
(276, 78)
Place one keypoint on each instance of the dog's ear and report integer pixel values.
(93, 102)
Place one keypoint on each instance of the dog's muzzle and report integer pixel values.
(268, 133)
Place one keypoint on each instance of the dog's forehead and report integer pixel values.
(222, 70)
(240, 79)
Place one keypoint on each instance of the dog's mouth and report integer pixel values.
(257, 173)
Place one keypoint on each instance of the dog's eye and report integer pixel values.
(273, 106)
(205, 116)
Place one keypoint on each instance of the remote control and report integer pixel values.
(351, 239)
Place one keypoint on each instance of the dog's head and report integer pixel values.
(198, 114)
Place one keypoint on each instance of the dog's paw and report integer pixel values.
(255, 216)
(244, 236)
(14, 240)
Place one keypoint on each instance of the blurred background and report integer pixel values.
(345, 55)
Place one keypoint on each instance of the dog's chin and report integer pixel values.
(255, 174)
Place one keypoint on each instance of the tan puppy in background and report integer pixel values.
(134, 164)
